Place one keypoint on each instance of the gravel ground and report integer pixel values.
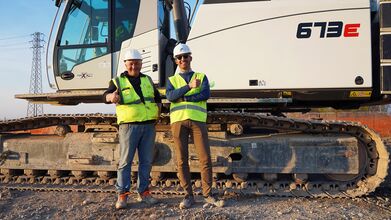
(75, 205)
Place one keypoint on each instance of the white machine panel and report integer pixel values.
(262, 44)
(148, 46)
(89, 75)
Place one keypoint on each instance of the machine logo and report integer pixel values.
(331, 29)
(84, 75)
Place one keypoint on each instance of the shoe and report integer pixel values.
(122, 201)
(147, 198)
(214, 201)
(187, 202)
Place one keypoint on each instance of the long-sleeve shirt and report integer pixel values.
(136, 82)
(174, 94)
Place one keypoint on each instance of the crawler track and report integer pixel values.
(369, 178)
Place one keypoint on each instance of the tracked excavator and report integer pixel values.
(263, 58)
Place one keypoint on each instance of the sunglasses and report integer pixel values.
(182, 56)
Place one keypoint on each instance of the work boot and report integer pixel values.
(121, 201)
(147, 198)
(214, 201)
(187, 202)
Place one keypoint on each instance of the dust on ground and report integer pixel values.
(81, 205)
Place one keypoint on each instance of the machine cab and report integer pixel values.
(90, 35)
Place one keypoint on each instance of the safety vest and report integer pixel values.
(130, 107)
(181, 111)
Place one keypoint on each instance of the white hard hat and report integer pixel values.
(132, 54)
(181, 49)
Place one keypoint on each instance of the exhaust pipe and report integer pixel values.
(181, 23)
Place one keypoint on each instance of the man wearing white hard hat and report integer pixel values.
(188, 92)
(137, 110)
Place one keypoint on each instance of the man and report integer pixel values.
(137, 110)
(188, 91)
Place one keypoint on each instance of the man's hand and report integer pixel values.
(113, 97)
(179, 100)
(194, 83)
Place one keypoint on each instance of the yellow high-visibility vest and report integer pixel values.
(130, 107)
(181, 111)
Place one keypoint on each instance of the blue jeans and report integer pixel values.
(132, 137)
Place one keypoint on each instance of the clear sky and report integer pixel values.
(18, 20)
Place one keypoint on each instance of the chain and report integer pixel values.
(4, 156)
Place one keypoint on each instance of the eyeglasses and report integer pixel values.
(179, 57)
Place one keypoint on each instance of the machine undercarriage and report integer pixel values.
(251, 153)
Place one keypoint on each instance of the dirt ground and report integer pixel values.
(77, 205)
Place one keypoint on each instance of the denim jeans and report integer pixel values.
(132, 137)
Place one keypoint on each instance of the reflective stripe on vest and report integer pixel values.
(131, 108)
(139, 101)
(181, 111)
(194, 107)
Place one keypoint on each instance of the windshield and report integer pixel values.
(85, 35)
(87, 23)
(92, 29)
(125, 18)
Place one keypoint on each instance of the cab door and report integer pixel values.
(93, 34)
(82, 57)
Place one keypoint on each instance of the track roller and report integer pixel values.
(270, 177)
(240, 177)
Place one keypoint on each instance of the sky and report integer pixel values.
(19, 19)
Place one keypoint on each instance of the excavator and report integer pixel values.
(263, 58)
